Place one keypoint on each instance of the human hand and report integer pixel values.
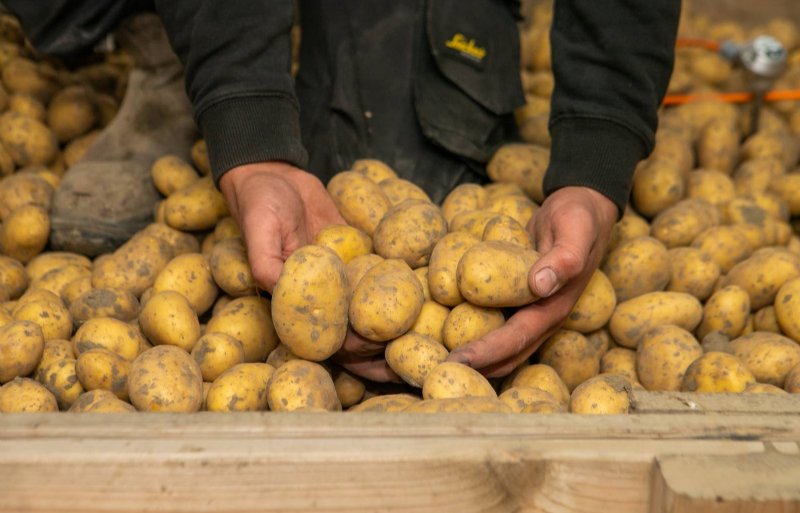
(279, 208)
(571, 231)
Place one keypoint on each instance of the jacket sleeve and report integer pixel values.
(237, 56)
(611, 62)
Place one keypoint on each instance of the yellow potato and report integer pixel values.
(679, 224)
(726, 312)
(199, 156)
(495, 274)
(765, 319)
(243, 387)
(386, 301)
(390, 403)
(413, 356)
(620, 360)
(633, 318)
(763, 388)
(358, 267)
(349, 389)
(431, 320)
(443, 266)
(346, 241)
(756, 175)
(519, 208)
(198, 206)
(600, 341)
(23, 395)
(769, 356)
(248, 320)
(100, 369)
(104, 332)
(718, 146)
(569, 354)
(309, 303)
(464, 198)
(21, 344)
(28, 141)
(171, 173)
(56, 279)
(300, 384)
(280, 355)
(360, 201)
(523, 165)
(72, 112)
(663, 355)
(227, 228)
(168, 319)
(215, 353)
(474, 222)
(637, 266)
(51, 316)
(518, 398)
(692, 271)
(727, 245)
(116, 303)
(467, 322)
(505, 228)
(594, 306)
(180, 242)
(230, 268)
(27, 106)
(409, 232)
(24, 232)
(422, 275)
(76, 149)
(770, 144)
(787, 308)
(23, 189)
(61, 379)
(542, 377)
(165, 379)
(134, 266)
(763, 274)
(675, 150)
(792, 382)
(716, 372)
(657, 185)
(13, 278)
(374, 169)
(53, 350)
(190, 275)
(6, 162)
(399, 190)
(451, 380)
(467, 404)
(787, 187)
(602, 395)
(100, 401)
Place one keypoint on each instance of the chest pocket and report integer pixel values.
(468, 82)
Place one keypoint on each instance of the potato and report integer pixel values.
(765, 319)
(519, 208)
(399, 190)
(787, 308)
(198, 206)
(199, 156)
(346, 241)
(743, 210)
(134, 266)
(634, 317)
(13, 278)
(227, 228)
(413, 356)
(309, 303)
(71, 112)
(280, 355)
(171, 173)
(756, 175)
(602, 395)
(386, 301)
(726, 245)
(23, 189)
(54, 350)
(518, 398)
(763, 388)
(28, 141)
(24, 232)
(473, 222)
(600, 341)
(5, 318)
(300, 384)
(76, 149)
(542, 377)
(663, 355)
(243, 387)
(190, 275)
(180, 242)
(459, 405)
(422, 275)
(622, 361)
(248, 320)
(55, 280)
(61, 379)
(792, 382)
(43, 264)
(51, 316)
(657, 185)
(539, 83)
(374, 169)
(772, 204)
(358, 267)
(104, 332)
(390, 403)
(409, 232)
(495, 274)
(671, 147)
(769, 356)
(450, 380)
(231, 269)
(21, 344)
(520, 164)
(27, 106)
(115, 303)
(168, 319)
(568, 353)
(360, 201)
(692, 271)
(431, 321)
(725, 312)
(594, 306)
(349, 388)
(100, 369)
(467, 322)
(716, 372)
(505, 228)
(23, 395)
(767, 144)
(787, 187)
(165, 379)
(215, 353)
(443, 266)
(718, 146)
(763, 273)
(33, 295)
(638, 266)
(466, 197)
(100, 401)
(21, 75)
(679, 224)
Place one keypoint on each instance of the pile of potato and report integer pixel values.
(699, 289)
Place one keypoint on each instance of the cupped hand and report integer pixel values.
(279, 208)
(571, 231)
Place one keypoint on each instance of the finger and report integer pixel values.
(355, 344)
(372, 369)
(264, 252)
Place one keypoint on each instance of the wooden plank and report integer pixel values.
(680, 402)
(767, 482)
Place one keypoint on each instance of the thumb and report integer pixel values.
(566, 259)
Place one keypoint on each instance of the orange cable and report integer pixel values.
(739, 97)
(696, 42)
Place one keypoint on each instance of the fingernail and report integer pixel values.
(546, 282)
(459, 358)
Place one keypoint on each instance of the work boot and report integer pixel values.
(109, 195)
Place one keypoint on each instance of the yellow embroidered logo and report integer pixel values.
(466, 47)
